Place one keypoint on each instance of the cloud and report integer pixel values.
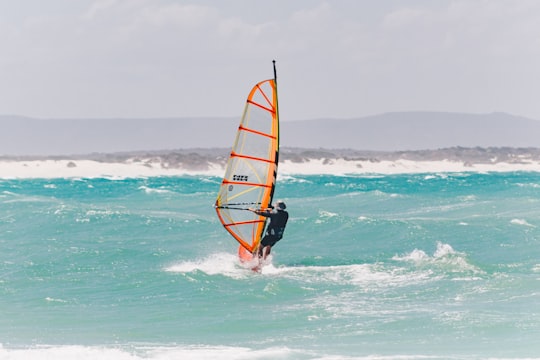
(342, 59)
(97, 7)
(406, 17)
(460, 55)
(190, 16)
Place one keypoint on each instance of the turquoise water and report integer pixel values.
(428, 266)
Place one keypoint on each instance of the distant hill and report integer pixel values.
(384, 132)
(29, 136)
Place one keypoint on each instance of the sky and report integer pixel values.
(335, 59)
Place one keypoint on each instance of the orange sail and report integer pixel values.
(251, 171)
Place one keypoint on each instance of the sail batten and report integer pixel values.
(251, 170)
(243, 223)
(251, 158)
(256, 132)
(248, 184)
(261, 106)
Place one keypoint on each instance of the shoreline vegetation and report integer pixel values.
(211, 161)
(201, 158)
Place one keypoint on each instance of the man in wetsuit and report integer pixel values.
(274, 231)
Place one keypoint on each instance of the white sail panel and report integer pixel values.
(252, 167)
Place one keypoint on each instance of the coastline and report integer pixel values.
(211, 162)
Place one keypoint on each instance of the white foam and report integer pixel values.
(200, 352)
(66, 352)
(414, 256)
(149, 190)
(135, 352)
(93, 169)
(343, 167)
(50, 299)
(444, 256)
(521, 222)
(141, 169)
(363, 275)
(443, 250)
(214, 264)
(220, 352)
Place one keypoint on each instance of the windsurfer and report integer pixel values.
(274, 232)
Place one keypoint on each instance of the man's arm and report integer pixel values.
(265, 213)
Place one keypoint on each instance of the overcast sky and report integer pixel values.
(340, 59)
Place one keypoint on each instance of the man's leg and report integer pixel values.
(266, 251)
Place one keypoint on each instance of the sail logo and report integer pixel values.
(240, 178)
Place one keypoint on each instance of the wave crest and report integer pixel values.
(445, 259)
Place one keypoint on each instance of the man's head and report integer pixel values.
(280, 205)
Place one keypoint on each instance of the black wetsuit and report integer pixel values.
(276, 227)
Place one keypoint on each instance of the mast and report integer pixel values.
(277, 131)
(275, 72)
(277, 112)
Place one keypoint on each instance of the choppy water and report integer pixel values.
(429, 266)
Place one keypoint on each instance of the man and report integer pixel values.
(274, 231)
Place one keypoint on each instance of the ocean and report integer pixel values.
(409, 266)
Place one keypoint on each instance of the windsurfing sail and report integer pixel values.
(250, 174)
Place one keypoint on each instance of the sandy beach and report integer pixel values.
(211, 162)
